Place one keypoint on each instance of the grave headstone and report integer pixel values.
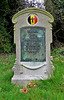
(33, 36)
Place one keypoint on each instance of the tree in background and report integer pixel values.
(5, 37)
(56, 8)
(9, 7)
(6, 26)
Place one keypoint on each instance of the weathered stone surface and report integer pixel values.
(38, 67)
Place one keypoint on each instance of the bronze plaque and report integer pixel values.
(33, 46)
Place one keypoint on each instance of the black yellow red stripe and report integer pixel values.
(32, 19)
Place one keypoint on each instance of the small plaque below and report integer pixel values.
(33, 46)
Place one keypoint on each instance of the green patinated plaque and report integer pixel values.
(33, 46)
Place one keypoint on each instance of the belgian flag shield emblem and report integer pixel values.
(32, 19)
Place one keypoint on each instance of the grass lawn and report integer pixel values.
(51, 89)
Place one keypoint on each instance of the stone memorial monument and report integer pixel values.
(33, 36)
